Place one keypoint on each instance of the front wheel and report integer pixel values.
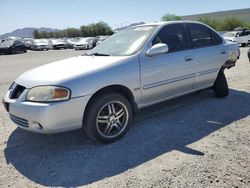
(220, 85)
(107, 118)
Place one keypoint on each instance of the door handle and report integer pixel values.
(188, 59)
(223, 52)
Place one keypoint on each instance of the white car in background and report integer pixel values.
(241, 37)
(27, 42)
(84, 43)
(57, 44)
(101, 39)
(70, 42)
(39, 44)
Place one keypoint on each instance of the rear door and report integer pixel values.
(167, 74)
(209, 53)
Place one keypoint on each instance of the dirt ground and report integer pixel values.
(192, 141)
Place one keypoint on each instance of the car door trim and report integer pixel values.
(172, 80)
(207, 72)
(169, 81)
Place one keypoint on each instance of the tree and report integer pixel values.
(71, 32)
(91, 30)
(36, 34)
(231, 23)
(95, 29)
(216, 24)
(170, 17)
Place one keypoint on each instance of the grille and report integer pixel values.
(20, 121)
(16, 90)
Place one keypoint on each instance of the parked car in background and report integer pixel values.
(39, 44)
(241, 37)
(70, 42)
(100, 39)
(12, 47)
(57, 44)
(27, 42)
(84, 43)
(134, 68)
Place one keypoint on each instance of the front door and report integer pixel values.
(169, 74)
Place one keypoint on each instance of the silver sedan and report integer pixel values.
(132, 69)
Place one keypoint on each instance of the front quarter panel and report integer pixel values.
(125, 73)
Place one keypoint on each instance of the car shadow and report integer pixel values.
(71, 160)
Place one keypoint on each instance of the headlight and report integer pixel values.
(48, 94)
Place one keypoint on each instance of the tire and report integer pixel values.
(107, 118)
(243, 44)
(220, 85)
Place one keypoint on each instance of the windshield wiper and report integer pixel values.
(98, 54)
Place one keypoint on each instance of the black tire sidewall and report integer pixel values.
(89, 123)
(220, 86)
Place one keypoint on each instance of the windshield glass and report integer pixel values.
(230, 34)
(124, 43)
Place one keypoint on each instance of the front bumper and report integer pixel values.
(81, 47)
(59, 46)
(46, 117)
(41, 47)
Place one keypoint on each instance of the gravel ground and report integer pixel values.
(192, 141)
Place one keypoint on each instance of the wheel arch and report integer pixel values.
(120, 89)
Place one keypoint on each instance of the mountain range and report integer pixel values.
(26, 32)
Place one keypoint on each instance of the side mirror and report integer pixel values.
(157, 49)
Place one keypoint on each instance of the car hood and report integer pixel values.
(230, 38)
(5, 46)
(62, 71)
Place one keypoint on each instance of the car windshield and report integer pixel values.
(124, 43)
(230, 34)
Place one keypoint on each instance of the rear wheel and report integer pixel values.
(220, 86)
(107, 118)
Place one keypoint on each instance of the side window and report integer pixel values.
(215, 37)
(200, 35)
(244, 33)
(17, 43)
(173, 35)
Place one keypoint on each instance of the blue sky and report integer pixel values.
(74, 13)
